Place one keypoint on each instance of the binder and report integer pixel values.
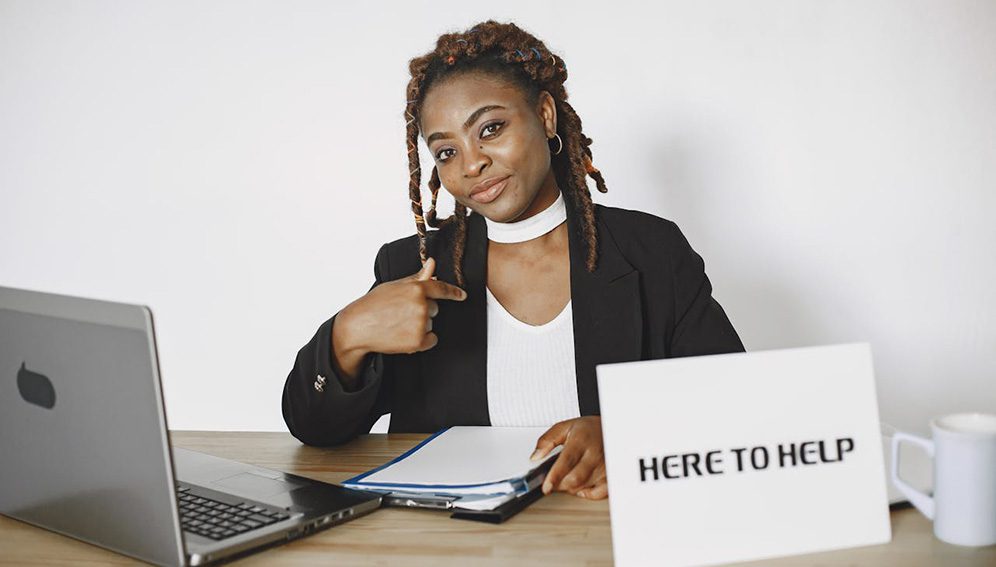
(478, 473)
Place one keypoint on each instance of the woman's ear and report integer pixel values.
(547, 111)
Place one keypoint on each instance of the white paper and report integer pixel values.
(480, 458)
(720, 403)
(478, 503)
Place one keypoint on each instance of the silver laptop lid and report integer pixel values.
(82, 428)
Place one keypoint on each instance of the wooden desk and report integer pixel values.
(556, 530)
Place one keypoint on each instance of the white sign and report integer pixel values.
(743, 456)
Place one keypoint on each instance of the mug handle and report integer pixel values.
(923, 503)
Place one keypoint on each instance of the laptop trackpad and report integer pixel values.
(251, 485)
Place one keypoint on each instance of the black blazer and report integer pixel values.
(648, 298)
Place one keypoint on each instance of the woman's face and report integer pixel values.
(489, 145)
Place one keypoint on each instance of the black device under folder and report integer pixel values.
(503, 512)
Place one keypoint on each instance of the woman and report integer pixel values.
(547, 284)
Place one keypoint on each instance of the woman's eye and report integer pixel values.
(442, 155)
(491, 129)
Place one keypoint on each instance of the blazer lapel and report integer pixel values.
(608, 311)
(459, 364)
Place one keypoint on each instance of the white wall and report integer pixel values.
(236, 165)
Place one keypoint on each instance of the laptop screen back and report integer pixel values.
(82, 430)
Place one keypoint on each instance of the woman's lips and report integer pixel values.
(491, 193)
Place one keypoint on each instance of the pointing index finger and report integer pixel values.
(442, 290)
(425, 272)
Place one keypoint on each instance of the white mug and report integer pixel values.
(963, 506)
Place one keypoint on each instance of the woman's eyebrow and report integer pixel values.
(473, 118)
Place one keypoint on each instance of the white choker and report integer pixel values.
(528, 229)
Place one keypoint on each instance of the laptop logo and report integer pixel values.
(35, 388)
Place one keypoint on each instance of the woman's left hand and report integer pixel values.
(580, 467)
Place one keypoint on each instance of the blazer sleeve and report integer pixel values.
(701, 325)
(333, 415)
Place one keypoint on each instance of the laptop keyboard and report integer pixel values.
(219, 520)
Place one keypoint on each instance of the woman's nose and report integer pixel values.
(476, 161)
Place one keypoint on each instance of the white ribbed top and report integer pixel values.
(531, 372)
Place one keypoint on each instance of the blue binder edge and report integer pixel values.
(401, 457)
(519, 484)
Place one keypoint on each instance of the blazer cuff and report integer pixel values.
(316, 407)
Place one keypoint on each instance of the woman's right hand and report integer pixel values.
(393, 317)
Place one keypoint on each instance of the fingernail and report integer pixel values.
(536, 454)
(463, 294)
(582, 494)
(546, 488)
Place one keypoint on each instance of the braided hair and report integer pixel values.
(506, 51)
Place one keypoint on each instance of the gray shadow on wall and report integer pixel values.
(767, 313)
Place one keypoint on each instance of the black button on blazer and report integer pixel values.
(648, 298)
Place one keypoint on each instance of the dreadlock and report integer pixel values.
(507, 51)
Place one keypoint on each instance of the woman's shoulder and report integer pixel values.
(648, 242)
(627, 226)
(400, 257)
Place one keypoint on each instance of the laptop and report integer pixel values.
(86, 453)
